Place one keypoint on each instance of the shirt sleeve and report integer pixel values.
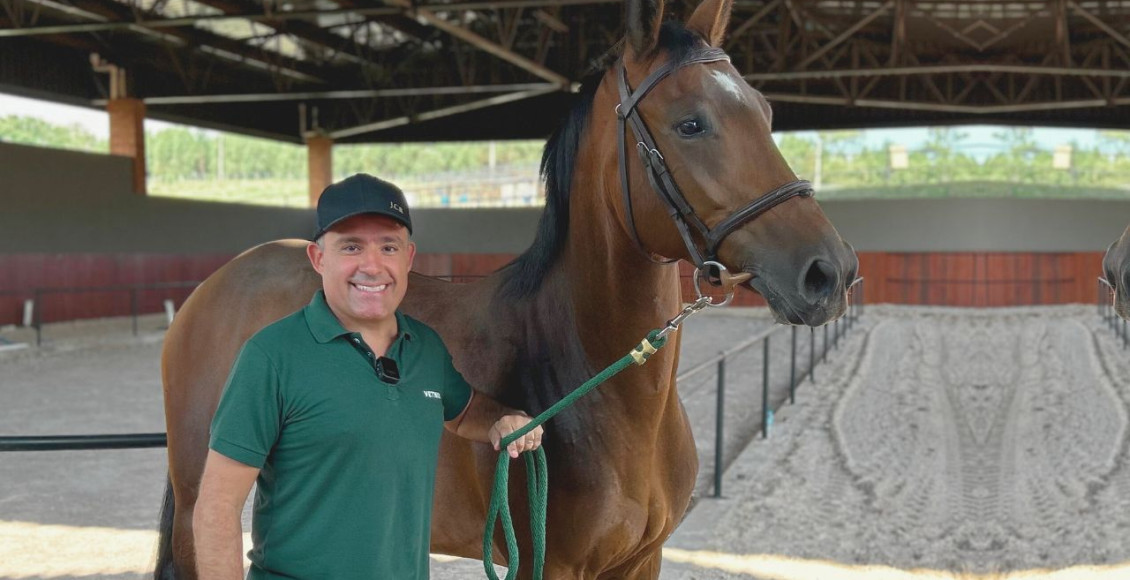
(456, 390)
(248, 420)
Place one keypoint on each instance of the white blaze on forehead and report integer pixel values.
(729, 84)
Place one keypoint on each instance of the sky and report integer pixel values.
(980, 137)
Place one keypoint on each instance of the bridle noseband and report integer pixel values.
(662, 181)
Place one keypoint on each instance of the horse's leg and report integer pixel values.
(644, 566)
(192, 391)
(165, 569)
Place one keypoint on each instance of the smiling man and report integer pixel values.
(336, 412)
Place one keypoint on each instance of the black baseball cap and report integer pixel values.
(361, 193)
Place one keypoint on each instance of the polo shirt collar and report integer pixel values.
(326, 327)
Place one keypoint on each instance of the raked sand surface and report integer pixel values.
(961, 443)
(936, 443)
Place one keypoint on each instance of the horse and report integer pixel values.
(1116, 268)
(596, 279)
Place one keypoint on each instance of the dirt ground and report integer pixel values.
(944, 443)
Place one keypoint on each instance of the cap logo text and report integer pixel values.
(396, 206)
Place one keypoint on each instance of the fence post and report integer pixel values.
(824, 355)
(1099, 303)
(133, 308)
(718, 420)
(812, 354)
(792, 370)
(38, 317)
(765, 390)
(170, 312)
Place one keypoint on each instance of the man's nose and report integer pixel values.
(370, 260)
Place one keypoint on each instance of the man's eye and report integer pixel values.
(690, 128)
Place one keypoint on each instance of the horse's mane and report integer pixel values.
(524, 275)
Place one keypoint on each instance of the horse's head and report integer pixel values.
(706, 180)
(1116, 268)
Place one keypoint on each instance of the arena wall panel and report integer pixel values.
(77, 286)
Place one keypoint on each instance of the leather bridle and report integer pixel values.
(662, 181)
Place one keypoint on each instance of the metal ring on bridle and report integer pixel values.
(698, 290)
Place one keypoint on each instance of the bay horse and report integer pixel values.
(622, 461)
(1116, 269)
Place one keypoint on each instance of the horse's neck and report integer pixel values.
(611, 296)
(617, 295)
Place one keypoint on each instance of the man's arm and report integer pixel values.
(488, 421)
(216, 524)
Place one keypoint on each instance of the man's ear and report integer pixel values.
(411, 254)
(315, 253)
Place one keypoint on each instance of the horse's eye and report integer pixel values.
(690, 128)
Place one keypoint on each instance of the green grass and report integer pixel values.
(273, 192)
(974, 189)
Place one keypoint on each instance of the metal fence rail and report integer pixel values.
(134, 290)
(837, 330)
(82, 442)
(832, 333)
(1106, 311)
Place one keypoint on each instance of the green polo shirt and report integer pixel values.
(347, 462)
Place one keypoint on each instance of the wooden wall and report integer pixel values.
(977, 279)
(981, 279)
(68, 282)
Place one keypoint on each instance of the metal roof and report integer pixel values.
(365, 71)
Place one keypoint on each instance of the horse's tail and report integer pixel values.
(165, 569)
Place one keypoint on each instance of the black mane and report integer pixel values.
(525, 274)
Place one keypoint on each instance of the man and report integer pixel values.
(335, 412)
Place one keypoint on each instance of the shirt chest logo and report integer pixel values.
(432, 395)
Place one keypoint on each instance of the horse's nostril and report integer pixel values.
(820, 279)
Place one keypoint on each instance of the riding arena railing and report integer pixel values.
(832, 333)
(1106, 312)
(35, 306)
(798, 373)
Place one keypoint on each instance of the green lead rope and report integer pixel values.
(538, 477)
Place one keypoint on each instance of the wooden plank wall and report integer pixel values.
(981, 279)
(21, 274)
(976, 279)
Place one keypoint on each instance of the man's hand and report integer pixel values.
(509, 424)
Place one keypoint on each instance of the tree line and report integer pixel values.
(840, 159)
(837, 159)
(182, 153)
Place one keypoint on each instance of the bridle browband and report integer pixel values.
(660, 177)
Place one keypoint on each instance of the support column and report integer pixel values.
(127, 136)
(319, 156)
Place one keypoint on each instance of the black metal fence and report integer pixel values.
(832, 333)
(1119, 325)
(134, 292)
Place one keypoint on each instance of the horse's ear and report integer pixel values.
(643, 18)
(710, 20)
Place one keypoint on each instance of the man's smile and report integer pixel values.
(370, 289)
